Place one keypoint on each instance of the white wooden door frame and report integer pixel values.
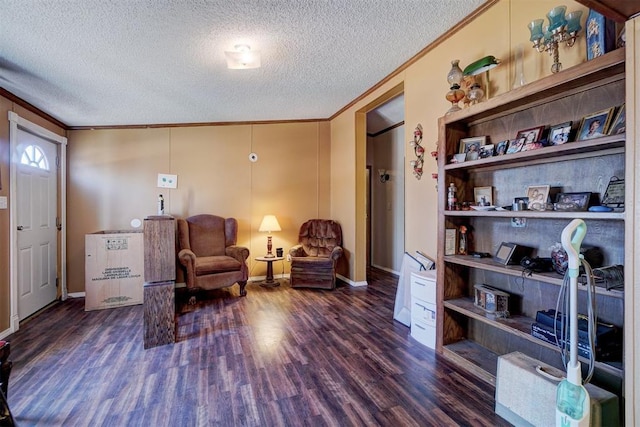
(16, 122)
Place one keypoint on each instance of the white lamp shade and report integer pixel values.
(269, 223)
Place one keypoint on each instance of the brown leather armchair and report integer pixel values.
(313, 260)
(209, 255)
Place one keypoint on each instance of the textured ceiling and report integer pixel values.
(138, 62)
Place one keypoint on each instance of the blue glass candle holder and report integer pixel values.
(556, 19)
(573, 21)
(547, 35)
(535, 27)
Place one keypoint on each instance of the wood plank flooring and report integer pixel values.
(278, 357)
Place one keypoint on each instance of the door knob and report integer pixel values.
(20, 228)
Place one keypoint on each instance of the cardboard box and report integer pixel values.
(524, 397)
(114, 269)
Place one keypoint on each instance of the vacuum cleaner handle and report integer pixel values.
(572, 237)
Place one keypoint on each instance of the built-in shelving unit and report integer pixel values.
(516, 271)
(467, 334)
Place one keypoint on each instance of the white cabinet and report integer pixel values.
(423, 307)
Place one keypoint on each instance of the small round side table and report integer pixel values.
(269, 282)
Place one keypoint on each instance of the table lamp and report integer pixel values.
(482, 65)
(269, 224)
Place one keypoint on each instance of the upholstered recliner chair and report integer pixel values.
(209, 255)
(313, 260)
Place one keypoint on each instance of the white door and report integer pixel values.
(36, 184)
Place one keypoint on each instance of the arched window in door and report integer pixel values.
(33, 156)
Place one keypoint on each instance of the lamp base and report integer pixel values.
(269, 255)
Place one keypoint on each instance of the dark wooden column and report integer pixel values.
(159, 278)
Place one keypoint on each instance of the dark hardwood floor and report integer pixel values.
(278, 357)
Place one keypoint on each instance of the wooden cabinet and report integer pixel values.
(159, 277)
(159, 248)
(465, 333)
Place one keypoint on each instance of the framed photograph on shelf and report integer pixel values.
(619, 123)
(483, 196)
(450, 241)
(559, 134)
(538, 195)
(614, 195)
(595, 125)
(515, 146)
(522, 204)
(531, 135)
(572, 202)
(471, 146)
(486, 151)
(501, 147)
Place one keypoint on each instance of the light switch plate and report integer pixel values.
(3, 202)
(167, 181)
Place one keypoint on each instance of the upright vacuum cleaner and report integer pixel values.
(573, 405)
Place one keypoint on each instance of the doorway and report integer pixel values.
(38, 199)
(385, 185)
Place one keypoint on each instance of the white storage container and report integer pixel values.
(423, 307)
(114, 269)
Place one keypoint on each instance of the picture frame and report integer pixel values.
(521, 202)
(531, 135)
(595, 125)
(471, 146)
(572, 202)
(450, 241)
(515, 145)
(511, 253)
(614, 194)
(501, 148)
(538, 196)
(483, 196)
(486, 151)
(559, 134)
(619, 123)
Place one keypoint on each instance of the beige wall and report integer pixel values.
(113, 173)
(305, 170)
(498, 32)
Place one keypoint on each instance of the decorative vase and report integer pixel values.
(455, 74)
(454, 96)
(519, 79)
(475, 93)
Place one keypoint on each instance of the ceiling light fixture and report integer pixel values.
(242, 58)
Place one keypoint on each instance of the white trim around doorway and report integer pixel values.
(16, 122)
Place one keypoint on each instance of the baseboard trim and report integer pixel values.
(351, 282)
(5, 333)
(76, 294)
